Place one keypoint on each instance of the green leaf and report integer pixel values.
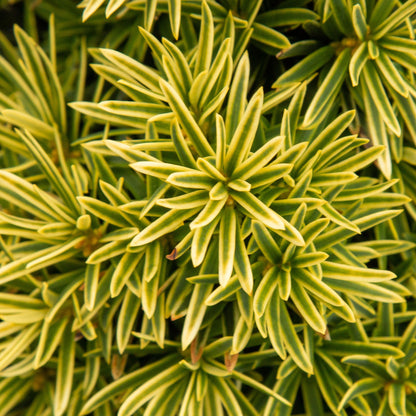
(265, 290)
(138, 71)
(318, 288)
(242, 334)
(406, 340)
(306, 308)
(358, 60)
(386, 200)
(237, 96)
(329, 88)
(397, 399)
(27, 122)
(181, 146)
(165, 403)
(186, 201)
(11, 303)
(269, 174)
(269, 36)
(313, 229)
(23, 194)
(152, 261)
(93, 110)
(159, 320)
(175, 16)
(195, 313)
(186, 120)
(18, 344)
(206, 40)
(398, 46)
(259, 159)
(201, 241)
(308, 259)
(342, 15)
(228, 399)
(407, 109)
(227, 244)
(104, 211)
(285, 283)
(367, 363)
(328, 135)
(192, 179)
(65, 372)
(168, 222)
(395, 19)
(242, 264)
(221, 293)
(205, 166)
(249, 381)
(351, 347)
(49, 339)
(331, 179)
(306, 67)
(274, 98)
(90, 8)
(288, 206)
(243, 137)
(365, 290)
(208, 214)
(159, 170)
(149, 295)
(359, 22)
(123, 271)
(288, 16)
(391, 74)
(150, 388)
(218, 67)
(290, 233)
(76, 279)
(382, 9)
(332, 237)
(239, 185)
(346, 272)
(327, 386)
(170, 69)
(127, 152)
(92, 275)
(113, 6)
(59, 250)
(356, 162)
(133, 109)
(266, 242)
(218, 347)
(107, 251)
(291, 340)
(13, 392)
(180, 62)
(50, 171)
(134, 378)
(332, 214)
(354, 193)
(361, 387)
(274, 328)
(258, 210)
(379, 97)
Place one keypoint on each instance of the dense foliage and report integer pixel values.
(207, 207)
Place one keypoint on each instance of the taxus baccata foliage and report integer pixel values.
(207, 208)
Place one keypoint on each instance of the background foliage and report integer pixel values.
(207, 207)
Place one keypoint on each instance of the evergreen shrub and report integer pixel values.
(207, 207)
